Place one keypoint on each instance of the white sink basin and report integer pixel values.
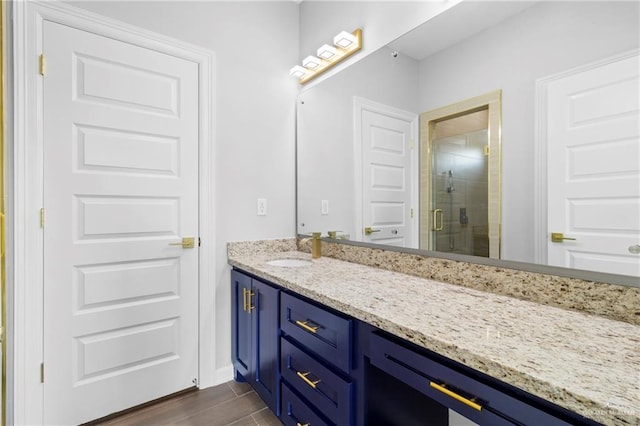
(289, 263)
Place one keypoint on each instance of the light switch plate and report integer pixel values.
(262, 206)
(325, 207)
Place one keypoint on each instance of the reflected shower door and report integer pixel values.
(459, 187)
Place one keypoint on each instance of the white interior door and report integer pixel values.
(120, 186)
(594, 168)
(387, 178)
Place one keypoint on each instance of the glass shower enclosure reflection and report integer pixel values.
(459, 191)
(460, 183)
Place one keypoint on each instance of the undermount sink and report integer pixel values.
(289, 263)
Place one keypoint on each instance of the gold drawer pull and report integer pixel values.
(455, 396)
(311, 383)
(307, 327)
(300, 424)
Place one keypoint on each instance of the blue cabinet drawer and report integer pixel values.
(326, 391)
(472, 398)
(295, 412)
(323, 332)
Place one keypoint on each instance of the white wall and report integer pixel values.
(255, 44)
(545, 39)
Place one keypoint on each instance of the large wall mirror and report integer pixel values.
(564, 158)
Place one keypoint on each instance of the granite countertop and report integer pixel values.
(586, 363)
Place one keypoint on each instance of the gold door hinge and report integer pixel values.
(42, 373)
(412, 144)
(199, 242)
(486, 150)
(42, 217)
(412, 213)
(1, 334)
(42, 64)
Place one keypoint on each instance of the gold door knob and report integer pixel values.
(187, 242)
(558, 237)
(368, 230)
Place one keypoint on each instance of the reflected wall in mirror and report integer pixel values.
(472, 48)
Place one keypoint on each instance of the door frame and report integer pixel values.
(540, 227)
(493, 102)
(359, 106)
(25, 264)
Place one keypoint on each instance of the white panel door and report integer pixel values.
(120, 186)
(387, 179)
(594, 168)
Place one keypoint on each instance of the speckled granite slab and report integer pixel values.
(586, 363)
(617, 302)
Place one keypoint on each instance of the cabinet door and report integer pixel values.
(264, 302)
(241, 325)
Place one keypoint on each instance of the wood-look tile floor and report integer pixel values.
(228, 404)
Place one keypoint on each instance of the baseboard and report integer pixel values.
(222, 375)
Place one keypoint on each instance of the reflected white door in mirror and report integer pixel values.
(386, 193)
(593, 166)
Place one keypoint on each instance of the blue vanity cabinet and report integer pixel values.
(255, 336)
(316, 364)
(480, 398)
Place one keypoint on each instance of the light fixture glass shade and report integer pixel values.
(344, 39)
(311, 62)
(326, 51)
(298, 71)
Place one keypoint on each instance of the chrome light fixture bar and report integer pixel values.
(345, 45)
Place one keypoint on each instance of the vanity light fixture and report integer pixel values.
(326, 51)
(311, 62)
(298, 71)
(345, 45)
(344, 39)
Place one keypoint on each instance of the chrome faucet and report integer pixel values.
(316, 244)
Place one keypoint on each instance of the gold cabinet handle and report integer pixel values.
(434, 220)
(244, 299)
(300, 424)
(250, 307)
(369, 230)
(187, 242)
(304, 377)
(307, 327)
(558, 237)
(455, 396)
